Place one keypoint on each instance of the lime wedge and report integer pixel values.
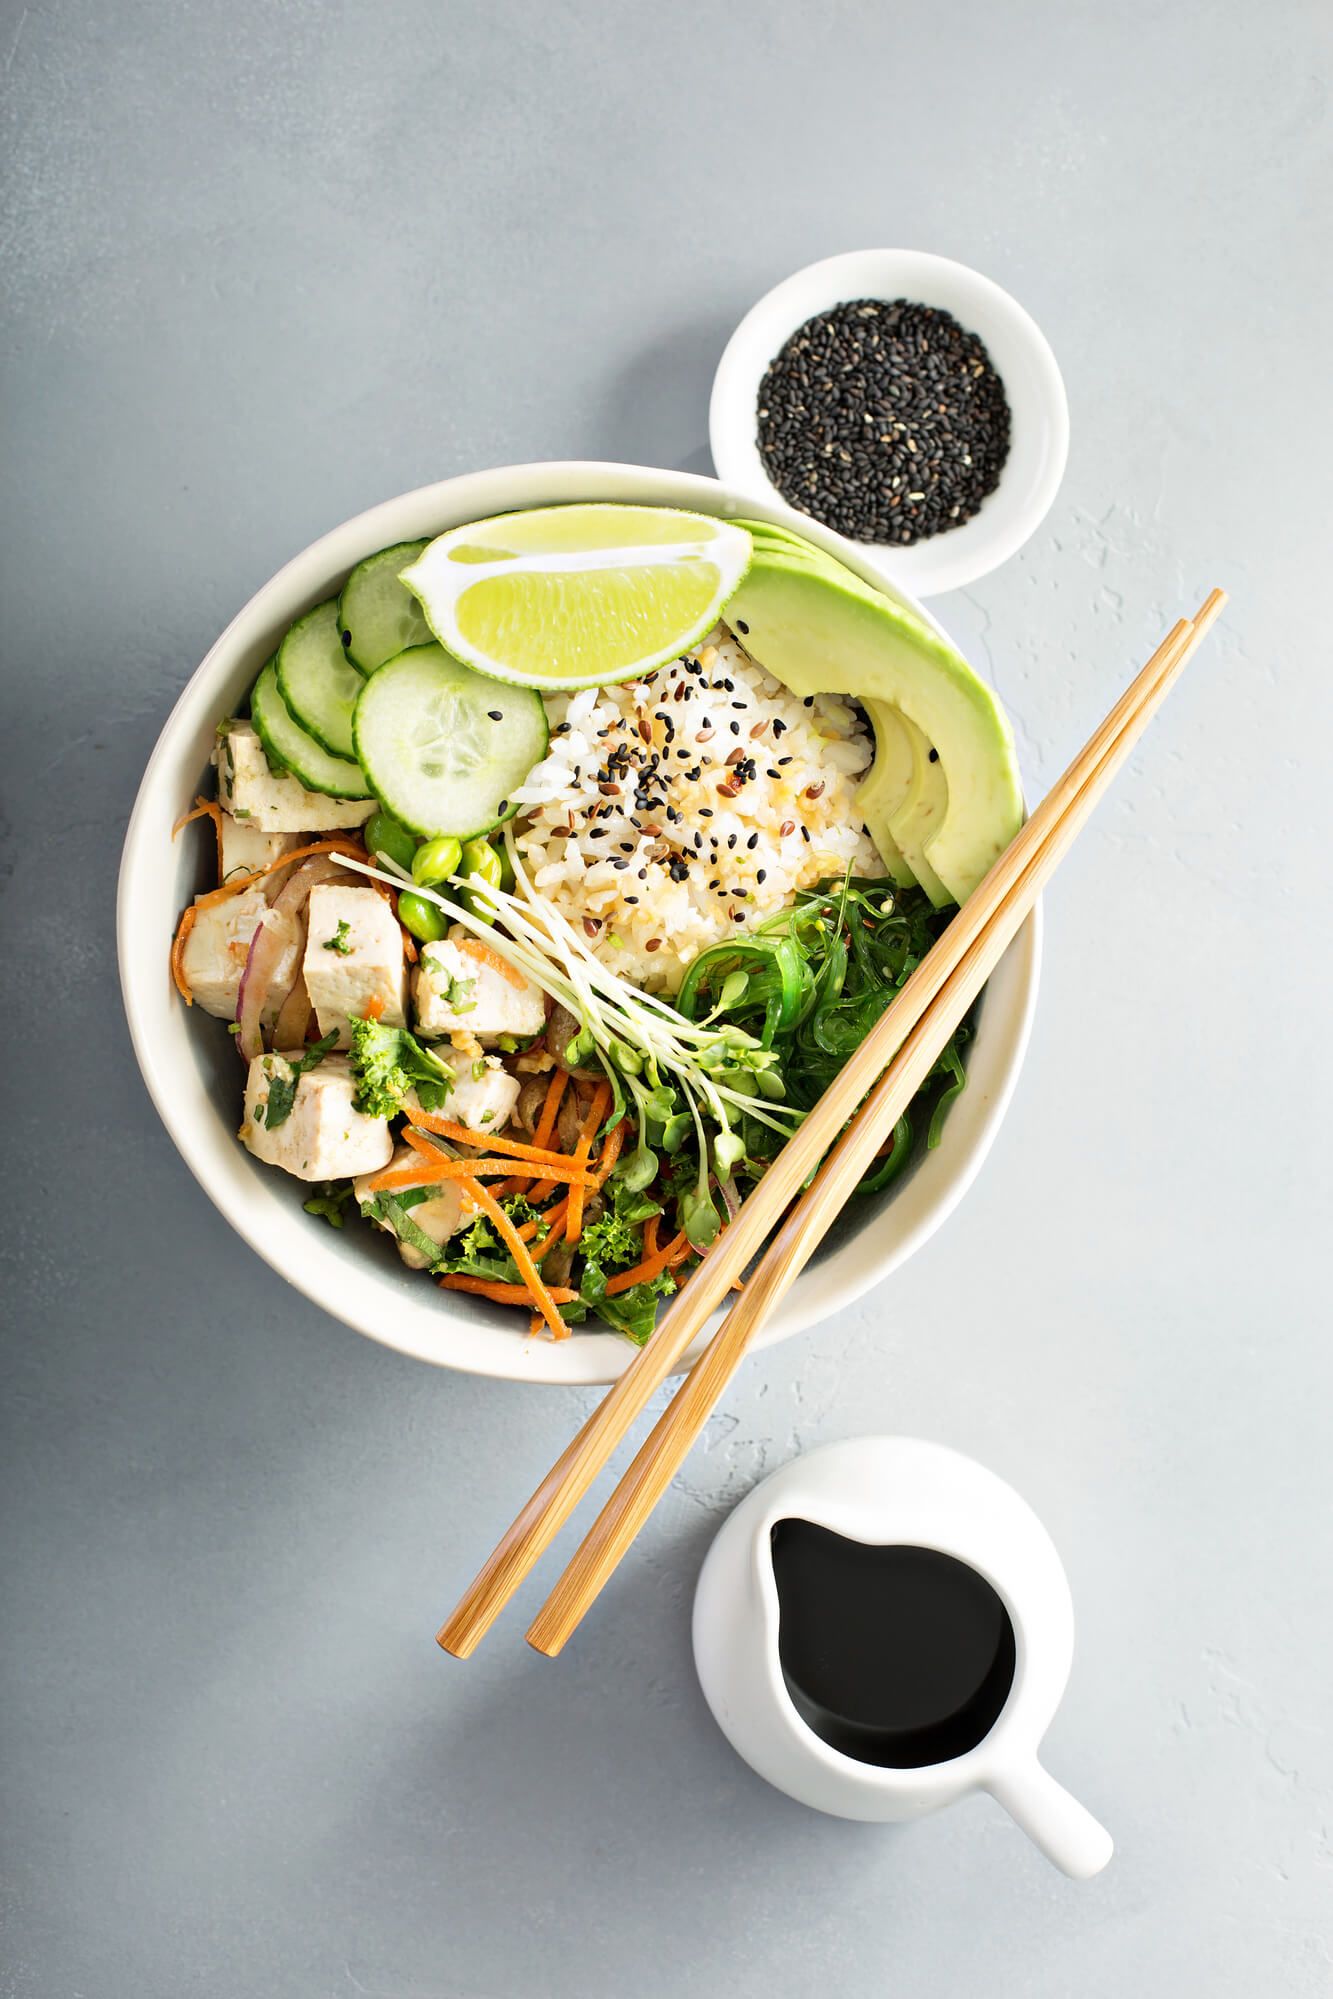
(578, 596)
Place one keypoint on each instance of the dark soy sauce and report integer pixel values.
(895, 1655)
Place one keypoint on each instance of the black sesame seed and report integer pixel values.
(495, 714)
(884, 419)
(934, 756)
(752, 842)
(762, 875)
(742, 628)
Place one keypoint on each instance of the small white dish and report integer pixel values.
(1039, 442)
(896, 1491)
(190, 1068)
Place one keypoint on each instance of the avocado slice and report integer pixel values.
(921, 805)
(887, 788)
(820, 635)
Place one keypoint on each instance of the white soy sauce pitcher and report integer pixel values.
(894, 1538)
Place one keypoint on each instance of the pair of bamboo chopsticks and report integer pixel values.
(890, 1066)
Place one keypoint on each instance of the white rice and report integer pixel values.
(626, 830)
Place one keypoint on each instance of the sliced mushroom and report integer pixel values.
(528, 1109)
(558, 1262)
(560, 1031)
(569, 1121)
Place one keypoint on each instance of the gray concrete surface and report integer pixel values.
(264, 264)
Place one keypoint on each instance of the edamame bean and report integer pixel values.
(425, 920)
(435, 860)
(481, 862)
(386, 835)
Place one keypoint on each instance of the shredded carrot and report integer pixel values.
(339, 844)
(518, 1249)
(675, 1252)
(374, 1007)
(178, 943)
(535, 1324)
(549, 1218)
(473, 947)
(204, 808)
(650, 1236)
(601, 1098)
(554, 1234)
(555, 1089)
(546, 1125)
(609, 1154)
(463, 1135)
(508, 1294)
(434, 1172)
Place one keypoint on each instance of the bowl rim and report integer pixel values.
(237, 1187)
(1008, 517)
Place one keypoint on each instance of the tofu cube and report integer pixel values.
(251, 792)
(461, 985)
(219, 944)
(353, 955)
(438, 1216)
(484, 1101)
(322, 1137)
(245, 848)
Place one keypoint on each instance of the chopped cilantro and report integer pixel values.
(340, 940)
(457, 994)
(388, 1062)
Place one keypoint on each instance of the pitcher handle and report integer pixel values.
(1065, 1830)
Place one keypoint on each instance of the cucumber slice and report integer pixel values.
(317, 680)
(442, 746)
(378, 616)
(289, 745)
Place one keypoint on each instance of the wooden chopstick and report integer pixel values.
(805, 1226)
(571, 1476)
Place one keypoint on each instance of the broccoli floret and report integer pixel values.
(388, 1062)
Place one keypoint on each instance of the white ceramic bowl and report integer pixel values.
(190, 1067)
(1039, 442)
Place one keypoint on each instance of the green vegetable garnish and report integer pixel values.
(329, 1199)
(282, 1089)
(388, 1062)
(339, 940)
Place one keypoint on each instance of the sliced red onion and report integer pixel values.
(293, 1021)
(272, 972)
